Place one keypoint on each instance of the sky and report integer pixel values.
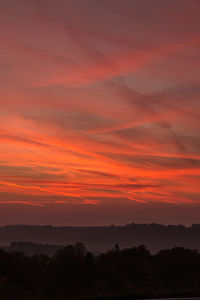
(99, 111)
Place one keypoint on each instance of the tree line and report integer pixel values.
(75, 273)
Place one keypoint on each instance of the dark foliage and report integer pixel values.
(73, 273)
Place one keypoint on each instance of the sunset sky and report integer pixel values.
(99, 111)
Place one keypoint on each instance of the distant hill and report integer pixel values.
(30, 248)
(102, 238)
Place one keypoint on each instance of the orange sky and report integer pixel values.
(100, 110)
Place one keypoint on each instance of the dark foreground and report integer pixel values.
(74, 273)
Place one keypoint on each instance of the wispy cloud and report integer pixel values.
(99, 102)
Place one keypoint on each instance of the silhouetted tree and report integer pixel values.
(73, 271)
